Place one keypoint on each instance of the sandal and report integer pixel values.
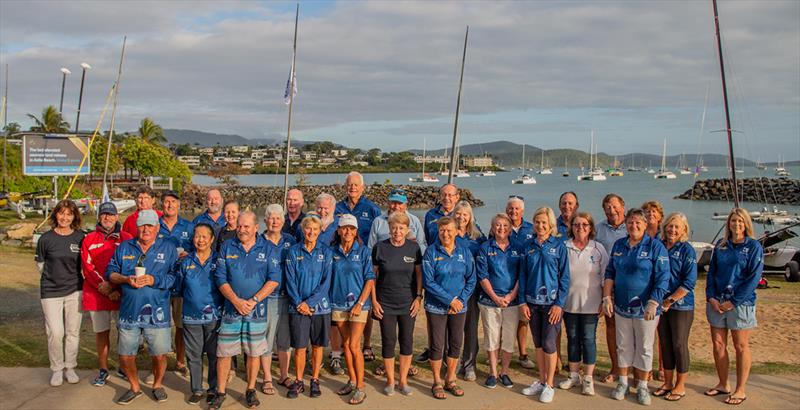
(286, 382)
(661, 391)
(379, 370)
(369, 355)
(715, 392)
(346, 389)
(358, 397)
(268, 388)
(454, 389)
(735, 401)
(438, 392)
(413, 371)
(674, 396)
(608, 378)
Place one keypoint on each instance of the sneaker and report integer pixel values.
(160, 394)
(57, 379)
(121, 374)
(129, 396)
(619, 392)
(643, 396)
(526, 363)
(314, 390)
(216, 403)
(297, 388)
(547, 394)
(336, 366)
(388, 390)
(506, 381)
(587, 388)
(423, 357)
(210, 394)
(196, 397)
(101, 378)
(469, 375)
(491, 382)
(71, 376)
(569, 382)
(150, 379)
(405, 390)
(251, 398)
(534, 389)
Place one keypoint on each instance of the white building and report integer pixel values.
(206, 151)
(359, 163)
(269, 163)
(477, 162)
(248, 164)
(190, 160)
(339, 153)
(432, 159)
(309, 155)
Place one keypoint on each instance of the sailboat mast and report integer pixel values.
(291, 103)
(113, 114)
(424, 147)
(727, 111)
(664, 156)
(453, 156)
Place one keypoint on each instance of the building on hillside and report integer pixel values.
(269, 163)
(477, 162)
(339, 153)
(309, 155)
(248, 164)
(359, 163)
(206, 151)
(190, 160)
(432, 159)
(326, 162)
(241, 149)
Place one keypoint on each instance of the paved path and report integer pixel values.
(27, 388)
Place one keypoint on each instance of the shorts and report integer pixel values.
(176, 302)
(344, 316)
(739, 318)
(315, 328)
(237, 334)
(159, 340)
(101, 319)
(499, 327)
(278, 324)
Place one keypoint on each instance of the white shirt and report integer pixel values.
(587, 268)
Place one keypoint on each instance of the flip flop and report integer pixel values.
(735, 401)
(662, 392)
(674, 396)
(715, 392)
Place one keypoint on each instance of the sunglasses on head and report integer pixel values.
(516, 197)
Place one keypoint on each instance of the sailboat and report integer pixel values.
(542, 169)
(615, 171)
(595, 173)
(663, 173)
(524, 178)
(633, 168)
(487, 173)
(759, 165)
(424, 177)
(566, 170)
(684, 170)
(780, 170)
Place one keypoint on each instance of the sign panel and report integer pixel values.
(54, 154)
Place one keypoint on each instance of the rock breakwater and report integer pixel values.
(781, 191)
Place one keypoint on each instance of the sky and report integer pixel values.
(385, 74)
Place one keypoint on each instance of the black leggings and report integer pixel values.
(445, 330)
(673, 339)
(395, 327)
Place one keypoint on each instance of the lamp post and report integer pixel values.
(64, 72)
(85, 67)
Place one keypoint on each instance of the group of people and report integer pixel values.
(318, 279)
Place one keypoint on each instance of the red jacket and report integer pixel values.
(96, 251)
(130, 223)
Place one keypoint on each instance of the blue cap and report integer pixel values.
(398, 195)
(107, 208)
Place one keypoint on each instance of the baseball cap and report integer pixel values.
(348, 220)
(107, 208)
(171, 193)
(398, 195)
(147, 217)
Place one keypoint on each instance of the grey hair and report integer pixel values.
(248, 214)
(515, 199)
(273, 209)
(325, 196)
(357, 175)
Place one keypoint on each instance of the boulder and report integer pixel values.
(21, 231)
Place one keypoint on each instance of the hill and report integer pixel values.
(209, 139)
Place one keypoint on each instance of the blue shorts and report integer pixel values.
(159, 340)
(304, 328)
(238, 334)
(739, 318)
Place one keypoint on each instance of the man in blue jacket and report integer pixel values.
(213, 214)
(245, 280)
(448, 198)
(143, 268)
(521, 234)
(358, 205)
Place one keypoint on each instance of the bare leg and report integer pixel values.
(223, 368)
(388, 364)
(159, 368)
(299, 363)
(253, 364)
(559, 363)
(680, 385)
(368, 333)
(505, 361)
(611, 341)
(550, 362)
(492, 361)
(356, 359)
(741, 342)
(541, 365)
(180, 349)
(336, 341)
(436, 367)
(284, 357)
(522, 335)
(316, 360)
(266, 365)
(452, 364)
(128, 364)
(719, 339)
(405, 364)
(101, 340)
(344, 330)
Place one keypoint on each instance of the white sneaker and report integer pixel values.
(588, 387)
(72, 377)
(57, 379)
(619, 392)
(533, 389)
(547, 394)
(569, 382)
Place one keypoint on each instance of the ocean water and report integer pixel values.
(634, 187)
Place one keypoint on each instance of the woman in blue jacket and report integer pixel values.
(678, 307)
(448, 275)
(544, 284)
(734, 272)
(636, 282)
(351, 287)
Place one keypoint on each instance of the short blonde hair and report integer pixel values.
(748, 224)
(311, 218)
(682, 220)
(399, 218)
(654, 205)
(500, 216)
(551, 219)
(472, 228)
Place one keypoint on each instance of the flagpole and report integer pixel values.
(453, 155)
(291, 103)
(113, 114)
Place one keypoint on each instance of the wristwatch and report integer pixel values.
(255, 298)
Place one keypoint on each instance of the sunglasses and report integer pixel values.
(516, 197)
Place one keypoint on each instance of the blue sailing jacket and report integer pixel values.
(351, 272)
(246, 272)
(683, 274)
(521, 236)
(544, 275)
(562, 229)
(365, 212)
(500, 267)
(205, 218)
(326, 236)
(277, 261)
(735, 271)
(146, 307)
(181, 234)
(195, 281)
(308, 277)
(293, 228)
(431, 229)
(446, 277)
(640, 274)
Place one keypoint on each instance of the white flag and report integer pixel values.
(292, 79)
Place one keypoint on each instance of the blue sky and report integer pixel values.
(385, 74)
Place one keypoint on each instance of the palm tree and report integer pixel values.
(51, 121)
(11, 128)
(151, 132)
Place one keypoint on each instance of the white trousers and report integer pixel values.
(635, 338)
(62, 317)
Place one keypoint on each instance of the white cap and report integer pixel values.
(348, 220)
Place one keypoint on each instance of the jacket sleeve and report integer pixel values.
(604, 260)
(221, 274)
(523, 277)
(421, 235)
(563, 276)
(290, 284)
(322, 290)
(91, 276)
(688, 272)
(482, 264)
(366, 263)
(178, 272)
(373, 233)
(661, 273)
(115, 264)
(750, 276)
(469, 278)
(611, 270)
(432, 289)
(711, 285)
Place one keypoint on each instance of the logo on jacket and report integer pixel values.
(356, 258)
(460, 257)
(552, 251)
(320, 257)
(128, 257)
(184, 234)
(261, 257)
(643, 254)
(408, 259)
(364, 215)
(74, 248)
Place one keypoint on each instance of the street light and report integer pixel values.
(85, 67)
(65, 72)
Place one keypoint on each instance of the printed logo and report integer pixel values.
(356, 258)
(128, 257)
(74, 248)
(408, 259)
(514, 253)
(160, 256)
(261, 256)
(643, 254)
(298, 258)
(364, 215)
(591, 259)
(190, 267)
(552, 251)
(438, 258)
(336, 257)
(492, 253)
(617, 254)
(320, 257)
(275, 262)
(231, 256)
(460, 257)
(184, 234)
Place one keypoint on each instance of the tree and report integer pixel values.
(98, 158)
(151, 132)
(51, 121)
(154, 160)
(12, 128)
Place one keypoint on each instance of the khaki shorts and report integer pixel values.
(177, 311)
(342, 316)
(101, 319)
(499, 327)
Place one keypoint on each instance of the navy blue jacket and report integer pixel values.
(308, 277)
(365, 212)
(640, 274)
(544, 276)
(246, 272)
(446, 277)
(195, 282)
(735, 271)
(683, 274)
(500, 267)
(351, 272)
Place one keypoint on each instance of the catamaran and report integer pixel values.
(663, 173)
(524, 178)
